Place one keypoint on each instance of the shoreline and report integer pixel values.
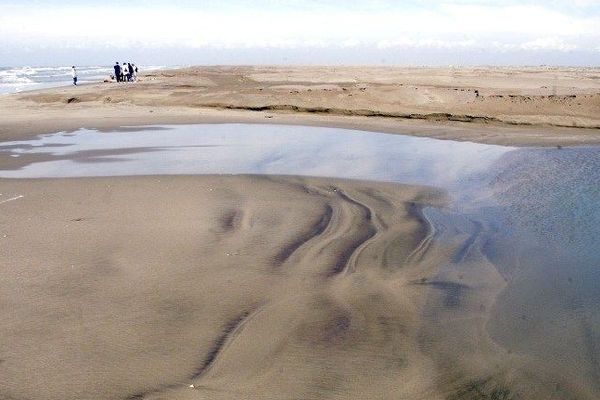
(497, 134)
(236, 280)
(328, 97)
(156, 285)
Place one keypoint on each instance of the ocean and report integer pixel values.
(19, 79)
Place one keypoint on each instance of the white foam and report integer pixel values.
(17, 79)
(12, 199)
(14, 79)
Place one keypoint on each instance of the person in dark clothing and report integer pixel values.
(130, 68)
(118, 74)
(74, 73)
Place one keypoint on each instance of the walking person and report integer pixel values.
(117, 68)
(130, 69)
(74, 73)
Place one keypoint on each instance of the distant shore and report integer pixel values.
(518, 107)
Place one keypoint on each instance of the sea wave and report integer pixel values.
(14, 79)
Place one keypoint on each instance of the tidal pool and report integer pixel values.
(252, 149)
(530, 216)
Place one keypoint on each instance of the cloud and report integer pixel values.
(382, 25)
(427, 44)
(548, 43)
(199, 28)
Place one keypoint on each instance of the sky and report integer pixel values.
(414, 32)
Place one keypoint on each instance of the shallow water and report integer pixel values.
(531, 213)
(20, 79)
(255, 149)
(551, 307)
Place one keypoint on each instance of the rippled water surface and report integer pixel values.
(531, 213)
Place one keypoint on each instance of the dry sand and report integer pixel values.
(515, 106)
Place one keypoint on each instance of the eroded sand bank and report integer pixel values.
(513, 106)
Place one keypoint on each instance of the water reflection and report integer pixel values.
(551, 306)
(256, 149)
(528, 272)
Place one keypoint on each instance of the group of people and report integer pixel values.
(126, 73)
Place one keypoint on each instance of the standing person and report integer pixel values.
(125, 72)
(130, 69)
(74, 73)
(117, 68)
(134, 72)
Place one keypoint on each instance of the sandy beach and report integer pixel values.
(255, 287)
(509, 106)
(261, 287)
(271, 286)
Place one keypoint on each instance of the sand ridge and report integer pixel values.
(255, 287)
(260, 287)
(513, 106)
(267, 287)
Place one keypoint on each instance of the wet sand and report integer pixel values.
(256, 287)
(251, 287)
(510, 106)
(248, 287)
(259, 287)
